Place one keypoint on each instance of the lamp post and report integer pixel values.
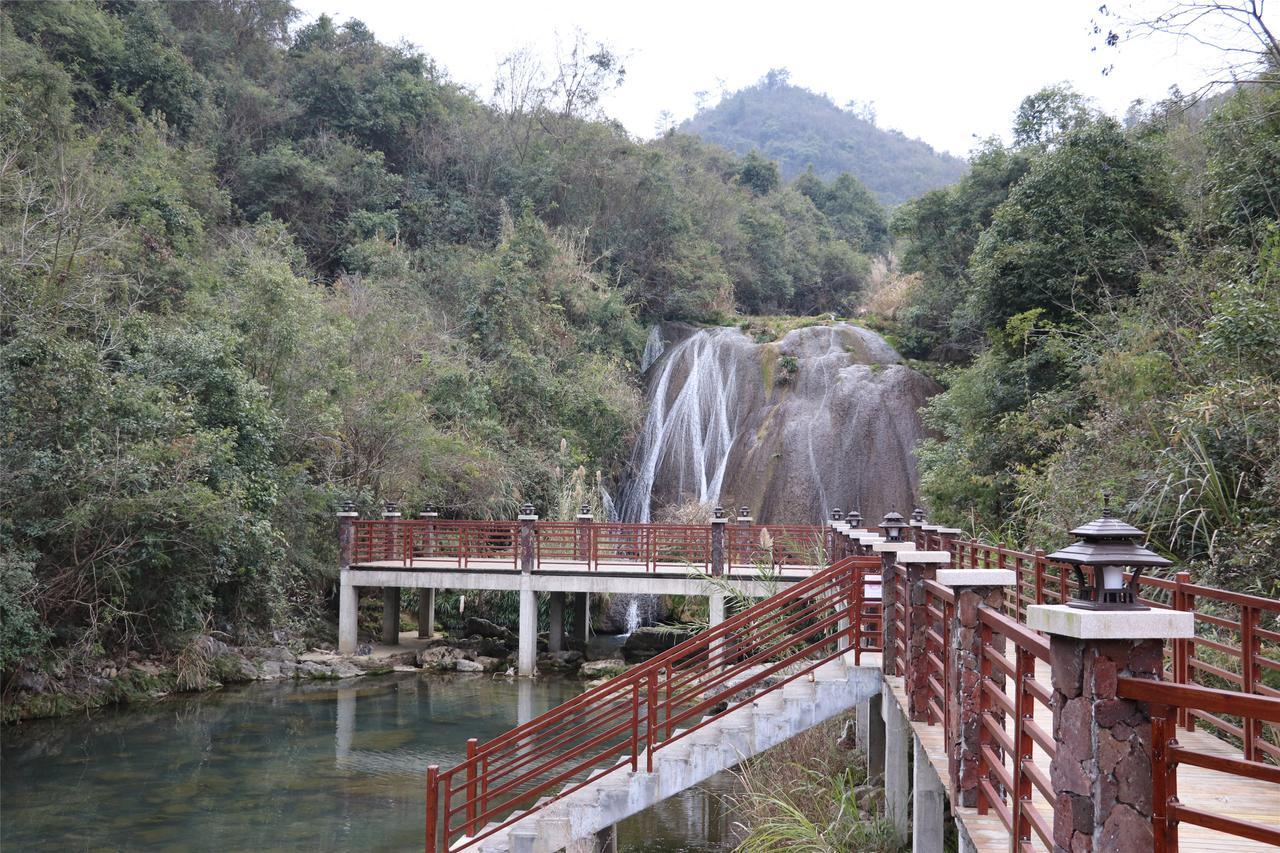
(892, 525)
(1108, 546)
(854, 519)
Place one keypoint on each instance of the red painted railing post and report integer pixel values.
(1248, 677)
(651, 718)
(433, 806)
(471, 786)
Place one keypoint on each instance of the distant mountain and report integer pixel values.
(799, 129)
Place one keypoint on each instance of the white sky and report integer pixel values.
(945, 71)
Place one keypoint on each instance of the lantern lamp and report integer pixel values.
(892, 525)
(836, 514)
(1108, 546)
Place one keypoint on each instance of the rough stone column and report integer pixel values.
(391, 594)
(1101, 774)
(833, 534)
(897, 766)
(973, 589)
(582, 617)
(555, 622)
(427, 597)
(582, 542)
(718, 524)
(528, 537)
(527, 653)
(348, 595)
(920, 566)
(927, 805)
(888, 552)
(741, 534)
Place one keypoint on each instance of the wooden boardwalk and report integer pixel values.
(1212, 791)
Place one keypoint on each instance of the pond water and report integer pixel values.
(286, 766)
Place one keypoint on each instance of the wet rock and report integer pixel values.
(565, 661)
(275, 653)
(464, 665)
(346, 669)
(644, 643)
(439, 657)
(491, 664)
(483, 628)
(273, 670)
(602, 668)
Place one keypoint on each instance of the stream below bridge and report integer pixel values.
(287, 766)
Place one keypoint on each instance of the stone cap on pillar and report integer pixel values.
(1080, 624)
(892, 547)
(977, 577)
(931, 528)
(948, 531)
(347, 514)
(583, 516)
(924, 557)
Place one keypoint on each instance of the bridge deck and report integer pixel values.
(1218, 793)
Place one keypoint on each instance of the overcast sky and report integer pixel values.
(946, 71)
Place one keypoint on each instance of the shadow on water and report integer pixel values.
(284, 766)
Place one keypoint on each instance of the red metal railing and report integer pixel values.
(1167, 703)
(464, 544)
(1237, 638)
(623, 722)
(776, 546)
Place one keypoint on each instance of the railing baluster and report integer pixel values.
(1248, 675)
(433, 804)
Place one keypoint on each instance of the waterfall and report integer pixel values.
(690, 426)
(826, 416)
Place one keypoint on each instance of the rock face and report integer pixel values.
(827, 416)
(644, 643)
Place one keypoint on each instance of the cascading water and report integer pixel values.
(825, 416)
(653, 348)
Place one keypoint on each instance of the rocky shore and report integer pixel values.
(208, 663)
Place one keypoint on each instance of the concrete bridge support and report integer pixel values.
(928, 808)
(582, 617)
(527, 655)
(348, 613)
(897, 766)
(555, 622)
(391, 615)
(426, 613)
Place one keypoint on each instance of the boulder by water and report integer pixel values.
(644, 643)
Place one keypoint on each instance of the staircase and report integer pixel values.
(774, 670)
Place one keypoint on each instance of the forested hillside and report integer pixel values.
(249, 272)
(804, 131)
(1109, 300)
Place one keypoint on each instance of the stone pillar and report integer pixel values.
(920, 566)
(1101, 775)
(927, 805)
(555, 622)
(348, 595)
(582, 617)
(888, 552)
(427, 597)
(583, 552)
(833, 533)
(391, 594)
(528, 537)
(897, 766)
(527, 654)
(718, 523)
(974, 589)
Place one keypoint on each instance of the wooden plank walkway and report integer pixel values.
(1210, 790)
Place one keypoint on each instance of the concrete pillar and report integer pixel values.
(871, 733)
(348, 613)
(527, 654)
(1101, 775)
(348, 595)
(928, 809)
(973, 590)
(715, 610)
(718, 523)
(582, 617)
(524, 701)
(391, 594)
(897, 766)
(555, 622)
(426, 613)
(920, 566)
(888, 552)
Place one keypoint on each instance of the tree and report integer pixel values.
(759, 174)
(1044, 117)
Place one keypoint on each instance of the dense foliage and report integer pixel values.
(250, 269)
(805, 131)
(1109, 298)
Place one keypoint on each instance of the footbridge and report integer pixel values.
(991, 690)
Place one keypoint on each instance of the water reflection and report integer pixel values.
(282, 766)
